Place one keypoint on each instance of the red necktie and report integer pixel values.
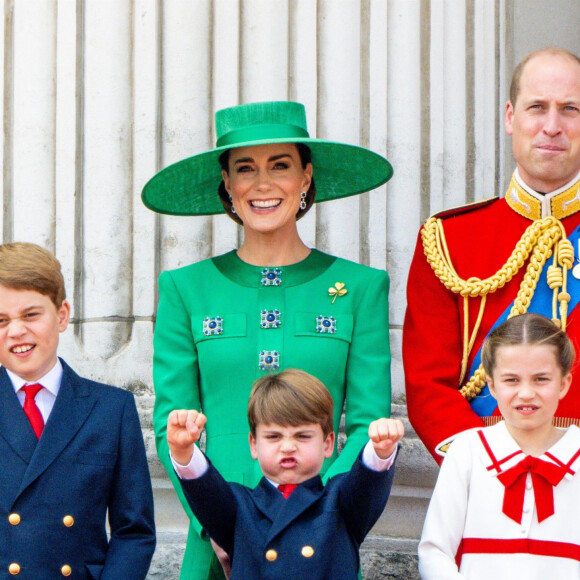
(30, 408)
(287, 489)
(545, 476)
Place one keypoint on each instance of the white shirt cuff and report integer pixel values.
(374, 462)
(196, 467)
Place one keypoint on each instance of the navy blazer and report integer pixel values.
(55, 491)
(315, 533)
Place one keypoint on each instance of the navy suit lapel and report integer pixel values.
(283, 512)
(71, 409)
(268, 499)
(15, 427)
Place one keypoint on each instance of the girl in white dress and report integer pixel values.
(506, 501)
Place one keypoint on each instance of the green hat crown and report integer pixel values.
(260, 122)
(190, 186)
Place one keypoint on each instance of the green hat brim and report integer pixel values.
(190, 187)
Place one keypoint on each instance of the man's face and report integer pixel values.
(545, 122)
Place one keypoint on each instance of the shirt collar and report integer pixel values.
(507, 453)
(561, 203)
(50, 381)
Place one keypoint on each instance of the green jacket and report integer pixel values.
(209, 335)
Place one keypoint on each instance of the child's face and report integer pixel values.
(29, 327)
(290, 454)
(528, 385)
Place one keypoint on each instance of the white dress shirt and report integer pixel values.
(47, 396)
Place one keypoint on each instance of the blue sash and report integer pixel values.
(484, 404)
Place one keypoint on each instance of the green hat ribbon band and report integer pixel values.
(260, 133)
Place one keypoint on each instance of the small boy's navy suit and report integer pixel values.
(314, 534)
(55, 491)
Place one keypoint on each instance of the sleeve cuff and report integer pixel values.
(197, 466)
(371, 460)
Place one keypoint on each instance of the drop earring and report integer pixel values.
(303, 200)
(232, 204)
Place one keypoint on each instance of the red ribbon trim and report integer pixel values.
(520, 546)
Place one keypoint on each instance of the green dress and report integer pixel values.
(222, 323)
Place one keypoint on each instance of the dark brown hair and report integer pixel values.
(305, 159)
(26, 266)
(291, 397)
(529, 329)
(517, 76)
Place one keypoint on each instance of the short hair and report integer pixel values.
(291, 397)
(305, 158)
(26, 266)
(528, 329)
(517, 76)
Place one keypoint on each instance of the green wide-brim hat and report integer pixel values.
(190, 186)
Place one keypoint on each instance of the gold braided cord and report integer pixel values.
(541, 239)
(467, 346)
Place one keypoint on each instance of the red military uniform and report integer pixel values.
(480, 238)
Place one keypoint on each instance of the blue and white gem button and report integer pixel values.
(271, 277)
(326, 324)
(270, 318)
(213, 325)
(269, 360)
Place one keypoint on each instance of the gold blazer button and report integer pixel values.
(14, 569)
(68, 521)
(66, 570)
(308, 551)
(271, 555)
(14, 519)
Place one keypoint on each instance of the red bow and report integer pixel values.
(545, 476)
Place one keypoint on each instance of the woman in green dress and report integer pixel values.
(273, 303)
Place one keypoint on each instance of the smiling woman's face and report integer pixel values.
(265, 182)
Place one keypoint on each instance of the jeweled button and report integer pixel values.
(271, 276)
(308, 551)
(269, 360)
(68, 521)
(14, 569)
(271, 555)
(14, 519)
(66, 570)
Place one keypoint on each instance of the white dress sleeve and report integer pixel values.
(445, 520)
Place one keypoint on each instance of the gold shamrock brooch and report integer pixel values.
(338, 290)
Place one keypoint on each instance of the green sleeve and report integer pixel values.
(175, 372)
(368, 371)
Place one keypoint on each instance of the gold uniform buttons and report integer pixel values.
(66, 570)
(271, 555)
(14, 569)
(14, 519)
(308, 551)
(68, 521)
